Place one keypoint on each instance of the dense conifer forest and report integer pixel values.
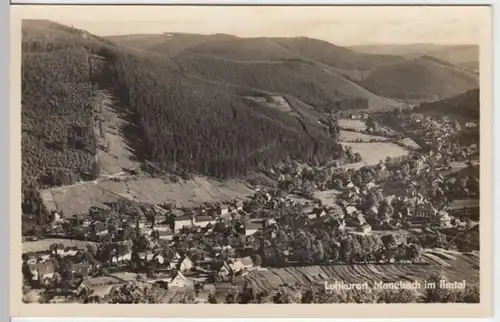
(182, 122)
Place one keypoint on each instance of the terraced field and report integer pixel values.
(455, 266)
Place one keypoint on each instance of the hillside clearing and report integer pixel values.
(114, 153)
(78, 199)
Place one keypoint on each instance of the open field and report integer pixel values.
(78, 199)
(351, 136)
(372, 153)
(187, 193)
(458, 267)
(352, 124)
(44, 244)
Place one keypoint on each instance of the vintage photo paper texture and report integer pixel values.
(236, 158)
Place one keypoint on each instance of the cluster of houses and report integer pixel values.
(412, 209)
(171, 271)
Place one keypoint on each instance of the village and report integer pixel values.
(429, 197)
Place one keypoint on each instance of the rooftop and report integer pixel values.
(43, 267)
(253, 225)
(204, 218)
(247, 261)
(464, 203)
(182, 218)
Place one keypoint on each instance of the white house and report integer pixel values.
(237, 266)
(223, 210)
(185, 264)
(247, 262)
(34, 257)
(122, 258)
(252, 228)
(443, 219)
(270, 222)
(101, 286)
(150, 256)
(239, 205)
(162, 227)
(179, 280)
(203, 221)
(224, 269)
(424, 211)
(67, 251)
(184, 221)
(366, 228)
(350, 210)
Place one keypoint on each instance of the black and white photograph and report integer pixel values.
(251, 155)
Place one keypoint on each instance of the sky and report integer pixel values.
(339, 25)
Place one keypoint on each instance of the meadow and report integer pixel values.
(79, 198)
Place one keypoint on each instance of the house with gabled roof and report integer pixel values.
(81, 269)
(237, 266)
(247, 262)
(351, 210)
(251, 228)
(179, 280)
(203, 221)
(366, 228)
(35, 257)
(185, 264)
(183, 221)
(223, 269)
(100, 286)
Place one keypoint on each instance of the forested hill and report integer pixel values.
(465, 106)
(332, 73)
(183, 122)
